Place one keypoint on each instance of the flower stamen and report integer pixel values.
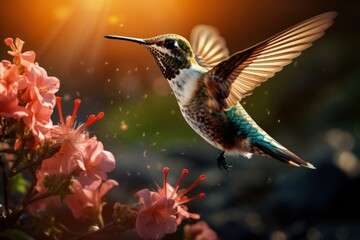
(166, 171)
(77, 103)
(186, 199)
(183, 173)
(92, 118)
(58, 103)
(200, 179)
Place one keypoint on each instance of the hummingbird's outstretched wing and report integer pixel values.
(209, 47)
(236, 77)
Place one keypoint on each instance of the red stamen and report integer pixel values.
(76, 108)
(184, 172)
(58, 103)
(92, 118)
(166, 171)
(186, 200)
(200, 179)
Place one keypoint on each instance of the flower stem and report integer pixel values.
(5, 189)
(37, 198)
(111, 228)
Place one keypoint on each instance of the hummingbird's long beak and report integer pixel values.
(136, 40)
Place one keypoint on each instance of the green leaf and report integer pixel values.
(19, 184)
(14, 234)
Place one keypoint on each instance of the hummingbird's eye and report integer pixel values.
(169, 43)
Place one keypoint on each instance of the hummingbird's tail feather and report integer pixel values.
(280, 153)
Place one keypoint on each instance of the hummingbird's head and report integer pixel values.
(172, 52)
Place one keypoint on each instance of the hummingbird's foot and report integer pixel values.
(222, 163)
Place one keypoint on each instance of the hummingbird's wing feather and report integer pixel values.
(209, 47)
(236, 77)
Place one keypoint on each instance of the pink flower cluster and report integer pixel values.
(26, 91)
(163, 210)
(82, 158)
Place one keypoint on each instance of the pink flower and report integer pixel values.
(62, 162)
(49, 204)
(9, 87)
(66, 133)
(95, 164)
(40, 86)
(38, 119)
(87, 203)
(199, 231)
(72, 141)
(24, 59)
(164, 209)
(179, 196)
(38, 96)
(157, 217)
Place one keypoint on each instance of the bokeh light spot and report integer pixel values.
(113, 19)
(123, 126)
(340, 140)
(61, 13)
(349, 163)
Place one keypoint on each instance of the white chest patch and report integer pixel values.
(184, 84)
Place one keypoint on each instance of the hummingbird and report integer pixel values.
(209, 84)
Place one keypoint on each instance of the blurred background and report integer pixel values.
(311, 107)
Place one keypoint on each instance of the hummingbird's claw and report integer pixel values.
(222, 163)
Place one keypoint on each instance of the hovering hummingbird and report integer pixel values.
(209, 84)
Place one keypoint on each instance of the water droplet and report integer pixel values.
(108, 80)
(268, 111)
(145, 153)
(93, 228)
(147, 68)
(106, 63)
(278, 120)
(135, 70)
